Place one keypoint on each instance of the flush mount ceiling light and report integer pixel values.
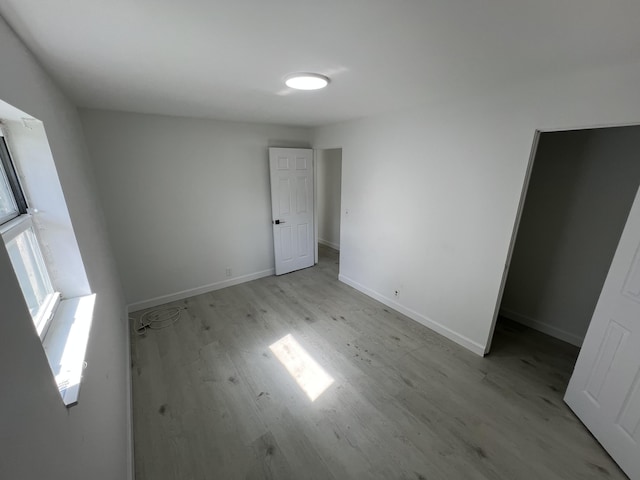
(306, 81)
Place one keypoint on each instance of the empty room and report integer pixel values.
(337, 240)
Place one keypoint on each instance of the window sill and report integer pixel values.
(65, 344)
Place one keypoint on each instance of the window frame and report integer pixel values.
(9, 169)
(65, 340)
(16, 225)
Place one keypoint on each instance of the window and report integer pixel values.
(20, 239)
(42, 248)
(12, 201)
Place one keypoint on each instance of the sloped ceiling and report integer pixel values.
(227, 59)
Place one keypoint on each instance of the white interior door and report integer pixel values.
(292, 208)
(604, 390)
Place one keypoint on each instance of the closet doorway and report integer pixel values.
(328, 204)
(580, 191)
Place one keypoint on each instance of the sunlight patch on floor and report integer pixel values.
(310, 376)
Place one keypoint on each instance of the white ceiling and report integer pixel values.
(226, 59)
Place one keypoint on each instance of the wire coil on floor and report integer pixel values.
(157, 319)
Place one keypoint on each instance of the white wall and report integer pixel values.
(329, 182)
(185, 199)
(40, 438)
(581, 190)
(432, 193)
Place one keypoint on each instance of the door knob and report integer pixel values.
(278, 222)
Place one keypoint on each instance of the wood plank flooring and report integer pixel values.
(212, 401)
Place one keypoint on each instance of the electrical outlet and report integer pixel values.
(228, 271)
(396, 293)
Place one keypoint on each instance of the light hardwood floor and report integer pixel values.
(211, 400)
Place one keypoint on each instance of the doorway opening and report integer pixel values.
(580, 190)
(328, 205)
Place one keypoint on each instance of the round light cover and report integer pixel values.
(306, 81)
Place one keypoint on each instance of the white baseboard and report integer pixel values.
(421, 319)
(335, 246)
(550, 330)
(172, 297)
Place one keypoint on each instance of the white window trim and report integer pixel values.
(63, 326)
(46, 312)
(15, 227)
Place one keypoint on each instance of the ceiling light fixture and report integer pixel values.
(306, 81)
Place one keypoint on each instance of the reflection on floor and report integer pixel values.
(212, 400)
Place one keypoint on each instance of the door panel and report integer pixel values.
(605, 358)
(303, 240)
(284, 190)
(629, 417)
(302, 195)
(604, 390)
(285, 243)
(292, 208)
